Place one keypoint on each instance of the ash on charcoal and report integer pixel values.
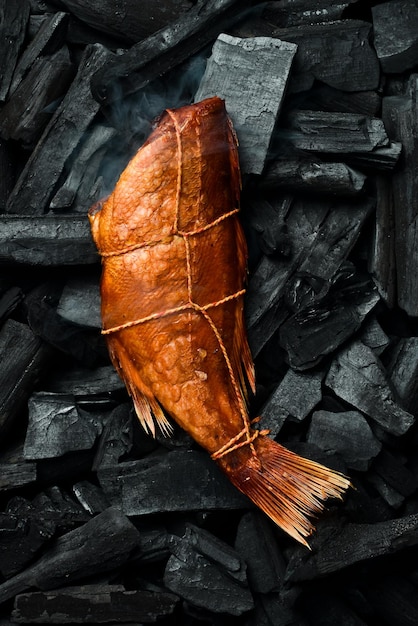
(36, 184)
(101, 545)
(28, 110)
(208, 573)
(337, 548)
(313, 176)
(251, 76)
(256, 544)
(46, 241)
(294, 397)
(22, 535)
(93, 604)
(175, 481)
(80, 302)
(13, 26)
(346, 433)
(400, 114)
(395, 35)
(57, 426)
(23, 360)
(403, 372)
(116, 438)
(357, 376)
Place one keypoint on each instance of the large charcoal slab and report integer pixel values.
(57, 426)
(103, 544)
(357, 376)
(48, 241)
(346, 433)
(14, 21)
(93, 604)
(295, 396)
(23, 359)
(251, 76)
(62, 135)
(400, 114)
(337, 549)
(177, 481)
(396, 35)
(208, 573)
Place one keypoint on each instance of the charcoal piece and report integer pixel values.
(101, 545)
(395, 35)
(325, 98)
(15, 17)
(348, 63)
(9, 300)
(57, 426)
(332, 133)
(327, 609)
(313, 176)
(23, 358)
(93, 604)
(56, 506)
(394, 471)
(76, 192)
(90, 497)
(22, 535)
(337, 548)
(400, 114)
(7, 172)
(85, 383)
(382, 263)
(48, 39)
(295, 397)
(394, 598)
(155, 544)
(46, 241)
(256, 543)
(116, 438)
(357, 376)
(267, 218)
(253, 105)
(17, 474)
(382, 158)
(346, 433)
(390, 495)
(80, 302)
(176, 481)
(291, 13)
(208, 573)
(29, 109)
(403, 371)
(36, 184)
(133, 20)
(167, 48)
(374, 336)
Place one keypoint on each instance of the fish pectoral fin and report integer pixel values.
(147, 407)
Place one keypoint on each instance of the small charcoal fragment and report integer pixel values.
(208, 573)
(357, 376)
(91, 497)
(396, 35)
(116, 438)
(252, 104)
(80, 302)
(346, 433)
(374, 336)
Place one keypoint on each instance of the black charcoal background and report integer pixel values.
(99, 523)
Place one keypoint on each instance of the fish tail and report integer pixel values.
(290, 489)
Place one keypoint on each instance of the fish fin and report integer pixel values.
(146, 405)
(290, 489)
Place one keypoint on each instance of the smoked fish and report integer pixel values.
(174, 264)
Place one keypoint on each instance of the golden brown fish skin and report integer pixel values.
(174, 267)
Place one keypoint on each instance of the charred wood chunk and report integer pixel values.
(374, 336)
(166, 49)
(346, 433)
(101, 545)
(252, 104)
(16, 474)
(256, 543)
(403, 370)
(46, 241)
(57, 426)
(91, 497)
(48, 39)
(177, 481)
(14, 21)
(395, 35)
(80, 302)
(61, 137)
(9, 300)
(8, 167)
(208, 573)
(357, 376)
(267, 218)
(325, 98)
(392, 468)
(295, 397)
(85, 384)
(94, 604)
(116, 438)
(56, 505)
(291, 13)
(382, 264)
(400, 114)
(23, 359)
(28, 110)
(313, 176)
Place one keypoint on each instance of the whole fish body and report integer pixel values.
(174, 267)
